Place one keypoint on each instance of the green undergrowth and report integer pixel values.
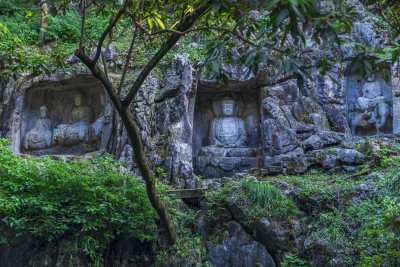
(351, 226)
(351, 218)
(90, 201)
(317, 182)
(84, 205)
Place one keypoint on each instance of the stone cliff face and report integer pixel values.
(286, 129)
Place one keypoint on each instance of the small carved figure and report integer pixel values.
(41, 136)
(371, 108)
(72, 134)
(228, 130)
(81, 113)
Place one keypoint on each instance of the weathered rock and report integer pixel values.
(277, 236)
(350, 156)
(238, 249)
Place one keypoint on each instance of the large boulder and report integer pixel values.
(238, 249)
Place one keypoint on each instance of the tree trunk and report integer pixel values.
(139, 156)
(44, 8)
(127, 117)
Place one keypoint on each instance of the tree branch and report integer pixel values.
(386, 18)
(128, 58)
(105, 33)
(186, 24)
(94, 68)
(206, 29)
(134, 136)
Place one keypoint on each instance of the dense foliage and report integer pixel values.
(48, 200)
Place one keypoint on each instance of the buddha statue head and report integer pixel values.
(43, 112)
(79, 100)
(228, 106)
(81, 112)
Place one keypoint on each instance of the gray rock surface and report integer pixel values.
(238, 249)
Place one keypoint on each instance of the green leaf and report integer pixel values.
(160, 23)
(150, 21)
(282, 15)
(271, 4)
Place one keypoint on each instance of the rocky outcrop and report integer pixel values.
(238, 249)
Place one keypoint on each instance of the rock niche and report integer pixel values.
(63, 118)
(226, 132)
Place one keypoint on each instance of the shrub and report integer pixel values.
(49, 200)
(25, 28)
(64, 27)
(269, 198)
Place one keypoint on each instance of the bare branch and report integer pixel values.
(237, 35)
(105, 33)
(80, 53)
(186, 24)
(128, 58)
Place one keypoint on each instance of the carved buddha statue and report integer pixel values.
(41, 136)
(77, 132)
(227, 151)
(81, 113)
(227, 130)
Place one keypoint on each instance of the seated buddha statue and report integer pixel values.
(227, 151)
(41, 136)
(227, 130)
(228, 135)
(81, 113)
(77, 131)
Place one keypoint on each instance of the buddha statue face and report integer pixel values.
(228, 106)
(43, 112)
(78, 100)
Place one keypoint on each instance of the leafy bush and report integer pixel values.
(64, 27)
(10, 7)
(16, 58)
(25, 28)
(49, 200)
(292, 260)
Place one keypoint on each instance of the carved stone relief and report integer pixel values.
(63, 120)
(369, 103)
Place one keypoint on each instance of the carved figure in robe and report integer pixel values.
(41, 136)
(228, 130)
(71, 134)
(371, 108)
(80, 112)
